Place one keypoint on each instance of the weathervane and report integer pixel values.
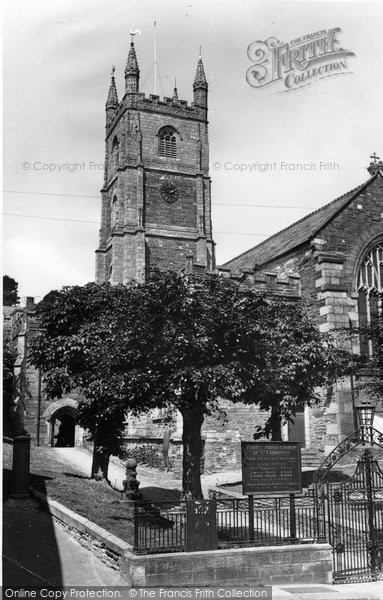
(133, 32)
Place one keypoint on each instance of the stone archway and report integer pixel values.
(62, 429)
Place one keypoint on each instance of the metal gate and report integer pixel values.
(350, 508)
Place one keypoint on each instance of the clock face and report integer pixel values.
(169, 192)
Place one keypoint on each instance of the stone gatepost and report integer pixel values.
(20, 466)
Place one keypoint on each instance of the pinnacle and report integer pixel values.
(132, 64)
(200, 77)
(112, 95)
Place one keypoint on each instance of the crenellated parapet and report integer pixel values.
(153, 103)
(275, 284)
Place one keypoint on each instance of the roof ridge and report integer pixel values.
(352, 191)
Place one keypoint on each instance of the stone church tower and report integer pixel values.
(156, 205)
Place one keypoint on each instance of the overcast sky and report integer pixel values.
(57, 60)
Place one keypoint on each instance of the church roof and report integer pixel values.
(296, 234)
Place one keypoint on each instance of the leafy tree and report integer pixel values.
(10, 290)
(179, 342)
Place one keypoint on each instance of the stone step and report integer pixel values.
(310, 458)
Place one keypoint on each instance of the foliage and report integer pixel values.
(183, 342)
(146, 454)
(10, 290)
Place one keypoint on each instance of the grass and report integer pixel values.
(92, 499)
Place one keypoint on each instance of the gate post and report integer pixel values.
(372, 546)
(20, 466)
(293, 518)
(251, 518)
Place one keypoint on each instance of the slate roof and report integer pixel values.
(296, 234)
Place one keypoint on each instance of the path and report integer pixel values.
(37, 551)
(81, 459)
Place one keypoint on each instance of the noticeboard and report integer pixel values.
(271, 468)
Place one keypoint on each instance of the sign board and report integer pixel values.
(271, 468)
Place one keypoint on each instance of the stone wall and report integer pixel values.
(328, 266)
(277, 565)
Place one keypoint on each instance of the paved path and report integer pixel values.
(37, 551)
(81, 459)
(352, 591)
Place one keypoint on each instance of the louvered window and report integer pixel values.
(370, 288)
(168, 143)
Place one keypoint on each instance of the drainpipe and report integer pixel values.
(354, 412)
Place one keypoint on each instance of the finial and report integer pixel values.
(200, 52)
(376, 165)
(112, 71)
(175, 93)
(375, 158)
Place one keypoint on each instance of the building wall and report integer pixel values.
(327, 266)
(141, 229)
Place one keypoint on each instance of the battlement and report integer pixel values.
(153, 103)
(269, 282)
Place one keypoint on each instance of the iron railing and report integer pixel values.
(163, 526)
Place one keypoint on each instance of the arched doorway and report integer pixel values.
(62, 429)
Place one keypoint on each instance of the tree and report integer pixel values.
(179, 342)
(10, 290)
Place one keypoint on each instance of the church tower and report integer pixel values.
(156, 204)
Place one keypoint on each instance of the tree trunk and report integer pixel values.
(192, 450)
(275, 420)
(100, 464)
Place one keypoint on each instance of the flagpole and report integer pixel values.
(155, 59)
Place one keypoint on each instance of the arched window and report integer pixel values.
(115, 154)
(167, 142)
(370, 288)
(114, 213)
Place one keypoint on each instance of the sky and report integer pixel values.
(57, 61)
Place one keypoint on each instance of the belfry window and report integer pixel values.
(167, 142)
(370, 289)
